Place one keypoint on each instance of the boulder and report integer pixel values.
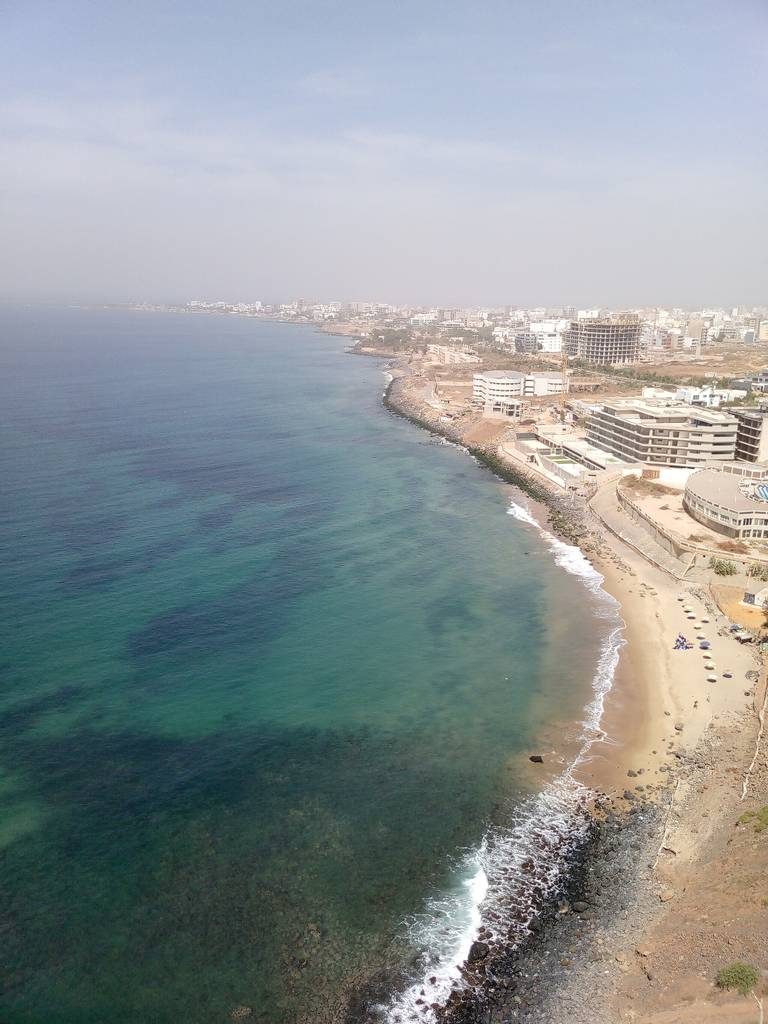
(478, 951)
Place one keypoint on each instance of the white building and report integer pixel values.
(452, 355)
(732, 500)
(548, 334)
(499, 390)
(709, 397)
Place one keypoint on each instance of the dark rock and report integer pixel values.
(536, 758)
(478, 951)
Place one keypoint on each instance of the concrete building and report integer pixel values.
(525, 343)
(608, 341)
(500, 391)
(751, 434)
(453, 355)
(663, 435)
(759, 381)
(709, 397)
(548, 334)
(732, 500)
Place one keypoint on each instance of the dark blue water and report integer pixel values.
(270, 659)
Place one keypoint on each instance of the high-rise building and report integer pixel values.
(606, 341)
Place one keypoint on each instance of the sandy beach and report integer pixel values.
(661, 699)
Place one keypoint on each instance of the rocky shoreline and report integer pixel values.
(566, 518)
(575, 928)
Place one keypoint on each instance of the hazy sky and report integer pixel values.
(524, 151)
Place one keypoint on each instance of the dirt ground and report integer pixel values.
(729, 601)
(724, 360)
(718, 913)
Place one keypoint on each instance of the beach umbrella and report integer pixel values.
(704, 618)
(727, 675)
(711, 679)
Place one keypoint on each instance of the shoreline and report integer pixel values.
(658, 715)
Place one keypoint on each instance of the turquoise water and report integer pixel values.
(270, 660)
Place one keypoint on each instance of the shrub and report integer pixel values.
(722, 568)
(742, 977)
(760, 819)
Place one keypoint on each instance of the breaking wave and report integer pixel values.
(507, 879)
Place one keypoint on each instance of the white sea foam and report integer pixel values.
(508, 877)
(573, 560)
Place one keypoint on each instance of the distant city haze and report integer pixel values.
(529, 152)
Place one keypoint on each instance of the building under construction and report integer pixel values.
(606, 341)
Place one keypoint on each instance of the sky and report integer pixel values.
(489, 152)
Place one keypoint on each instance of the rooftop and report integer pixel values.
(517, 375)
(501, 375)
(638, 409)
(727, 489)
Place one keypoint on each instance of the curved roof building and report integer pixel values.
(732, 500)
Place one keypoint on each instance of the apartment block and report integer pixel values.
(452, 355)
(663, 435)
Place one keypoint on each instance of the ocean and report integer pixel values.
(273, 661)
